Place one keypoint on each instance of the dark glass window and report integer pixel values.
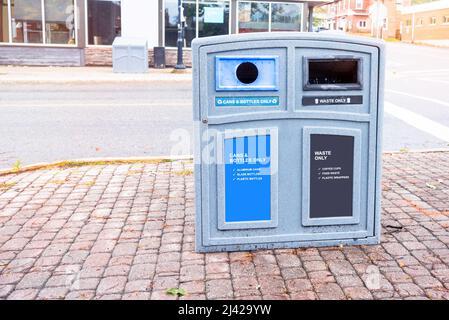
(189, 10)
(213, 18)
(171, 22)
(104, 21)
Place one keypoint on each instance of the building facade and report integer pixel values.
(350, 16)
(427, 21)
(377, 18)
(81, 32)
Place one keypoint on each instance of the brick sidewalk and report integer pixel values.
(127, 232)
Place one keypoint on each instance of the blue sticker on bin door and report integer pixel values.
(247, 178)
(264, 101)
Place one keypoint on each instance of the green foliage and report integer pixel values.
(421, 1)
(178, 292)
(17, 166)
(6, 185)
(184, 173)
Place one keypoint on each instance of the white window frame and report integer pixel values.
(9, 22)
(44, 37)
(196, 23)
(360, 26)
(359, 4)
(301, 6)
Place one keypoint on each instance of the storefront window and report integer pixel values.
(4, 24)
(59, 21)
(171, 22)
(26, 21)
(189, 10)
(4, 21)
(269, 16)
(253, 17)
(38, 21)
(286, 17)
(104, 21)
(212, 18)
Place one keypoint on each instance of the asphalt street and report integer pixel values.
(44, 123)
(417, 97)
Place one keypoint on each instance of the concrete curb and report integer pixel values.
(60, 75)
(418, 151)
(86, 81)
(127, 160)
(433, 45)
(93, 161)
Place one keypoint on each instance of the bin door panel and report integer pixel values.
(257, 200)
(247, 178)
(331, 176)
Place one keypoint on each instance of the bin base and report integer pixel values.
(287, 245)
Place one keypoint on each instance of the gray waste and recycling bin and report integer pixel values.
(287, 140)
(129, 55)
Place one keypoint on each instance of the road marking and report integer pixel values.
(444, 103)
(435, 80)
(88, 104)
(418, 121)
(423, 71)
(394, 64)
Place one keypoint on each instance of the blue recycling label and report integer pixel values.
(247, 178)
(261, 101)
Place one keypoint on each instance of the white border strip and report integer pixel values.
(418, 121)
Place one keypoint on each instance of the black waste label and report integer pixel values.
(331, 175)
(331, 100)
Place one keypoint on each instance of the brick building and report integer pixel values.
(360, 17)
(425, 22)
(350, 16)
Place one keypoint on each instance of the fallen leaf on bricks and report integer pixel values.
(431, 186)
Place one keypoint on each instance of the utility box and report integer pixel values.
(287, 140)
(129, 55)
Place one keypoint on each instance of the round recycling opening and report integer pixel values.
(247, 72)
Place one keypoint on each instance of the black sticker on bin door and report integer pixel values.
(331, 100)
(331, 175)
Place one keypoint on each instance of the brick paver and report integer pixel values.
(127, 232)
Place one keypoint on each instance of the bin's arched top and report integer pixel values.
(288, 36)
